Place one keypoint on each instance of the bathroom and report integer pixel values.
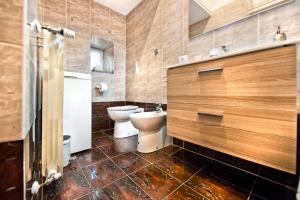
(149, 99)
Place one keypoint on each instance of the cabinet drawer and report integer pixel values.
(182, 85)
(270, 73)
(265, 141)
(280, 123)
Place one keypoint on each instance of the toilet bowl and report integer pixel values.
(120, 114)
(152, 134)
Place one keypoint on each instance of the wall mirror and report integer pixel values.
(208, 15)
(101, 55)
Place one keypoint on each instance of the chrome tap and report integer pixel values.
(159, 108)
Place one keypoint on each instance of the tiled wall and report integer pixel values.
(11, 170)
(150, 27)
(162, 24)
(268, 180)
(11, 70)
(88, 18)
(100, 118)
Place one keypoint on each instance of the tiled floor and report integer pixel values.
(114, 170)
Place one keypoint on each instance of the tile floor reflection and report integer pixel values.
(113, 169)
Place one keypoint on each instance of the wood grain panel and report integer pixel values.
(256, 96)
(183, 85)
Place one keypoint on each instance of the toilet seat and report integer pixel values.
(123, 108)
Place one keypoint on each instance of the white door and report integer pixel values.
(77, 110)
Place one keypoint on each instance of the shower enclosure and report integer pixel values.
(43, 143)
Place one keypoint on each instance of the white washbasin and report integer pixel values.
(148, 121)
(152, 130)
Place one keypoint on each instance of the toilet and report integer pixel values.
(120, 114)
(152, 134)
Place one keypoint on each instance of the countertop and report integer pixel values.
(259, 47)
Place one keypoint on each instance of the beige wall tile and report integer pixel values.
(238, 35)
(286, 16)
(100, 16)
(11, 73)
(55, 6)
(87, 18)
(53, 19)
(200, 46)
(11, 20)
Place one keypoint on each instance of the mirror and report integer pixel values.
(208, 15)
(101, 55)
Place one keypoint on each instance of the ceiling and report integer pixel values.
(123, 6)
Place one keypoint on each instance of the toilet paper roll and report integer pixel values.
(102, 87)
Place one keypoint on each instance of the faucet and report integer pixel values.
(159, 108)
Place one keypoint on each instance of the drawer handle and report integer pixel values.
(211, 113)
(210, 69)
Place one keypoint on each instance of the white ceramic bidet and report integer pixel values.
(120, 114)
(152, 130)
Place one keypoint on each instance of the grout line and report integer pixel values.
(232, 166)
(186, 185)
(183, 182)
(254, 182)
(90, 186)
(127, 176)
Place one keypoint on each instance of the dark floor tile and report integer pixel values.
(73, 165)
(178, 142)
(117, 103)
(11, 170)
(238, 162)
(200, 150)
(130, 162)
(102, 173)
(111, 124)
(176, 168)
(99, 108)
(153, 157)
(72, 185)
(119, 147)
(109, 132)
(90, 157)
(155, 182)
(150, 107)
(98, 134)
(219, 181)
(185, 193)
(191, 158)
(123, 189)
(254, 197)
(279, 176)
(130, 103)
(141, 105)
(104, 141)
(165, 107)
(272, 191)
(100, 123)
(11, 150)
(171, 149)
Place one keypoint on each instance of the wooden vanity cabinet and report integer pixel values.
(242, 105)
